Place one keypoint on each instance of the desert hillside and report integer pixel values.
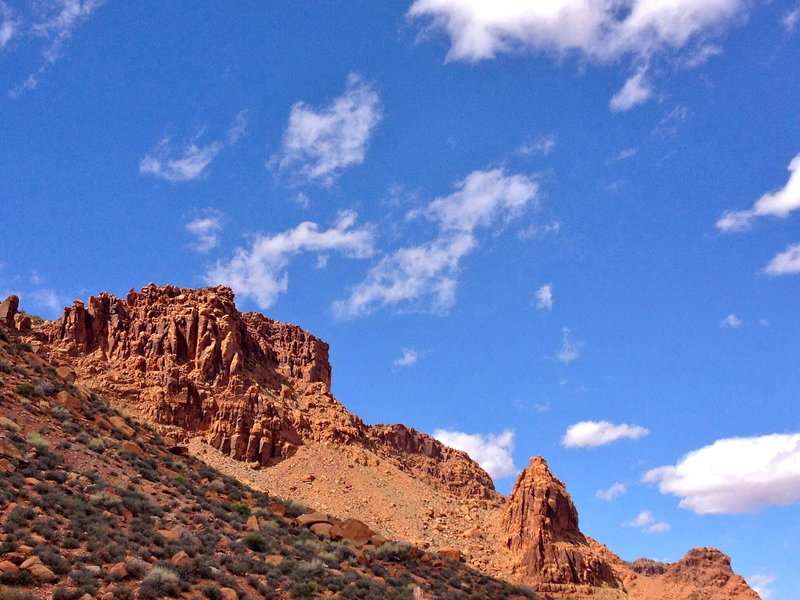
(250, 397)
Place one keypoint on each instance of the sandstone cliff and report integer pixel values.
(251, 396)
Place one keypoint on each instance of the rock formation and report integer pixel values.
(251, 396)
(253, 388)
(547, 548)
(8, 309)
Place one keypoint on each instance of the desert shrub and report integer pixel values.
(44, 387)
(10, 593)
(212, 592)
(241, 508)
(5, 366)
(51, 557)
(60, 413)
(158, 583)
(256, 542)
(306, 589)
(21, 578)
(394, 552)
(18, 347)
(36, 440)
(26, 389)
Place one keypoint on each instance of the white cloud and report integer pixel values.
(259, 271)
(544, 296)
(541, 144)
(615, 491)
(637, 90)
(427, 273)
(319, 144)
(791, 18)
(623, 154)
(206, 229)
(587, 434)
(761, 583)
(647, 523)
(735, 475)
(597, 31)
(786, 262)
(409, 358)
(731, 321)
(54, 22)
(8, 24)
(189, 161)
(668, 126)
(570, 349)
(492, 452)
(779, 203)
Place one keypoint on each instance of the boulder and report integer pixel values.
(353, 530)
(322, 530)
(132, 447)
(229, 594)
(252, 523)
(311, 518)
(451, 554)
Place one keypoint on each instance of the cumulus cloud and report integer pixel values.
(492, 452)
(319, 144)
(409, 358)
(426, 275)
(786, 262)
(761, 583)
(779, 203)
(570, 349)
(735, 475)
(185, 162)
(539, 145)
(597, 31)
(206, 229)
(51, 22)
(731, 322)
(259, 272)
(615, 491)
(544, 296)
(636, 90)
(647, 523)
(587, 434)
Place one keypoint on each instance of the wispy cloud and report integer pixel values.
(646, 522)
(615, 491)
(589, 434)
(623, 154)
(637, 90)
(570, 349)
(189, 161)
(259, 272)
(319, 144)
(206, 229)
(791, 19)
(425, 276)
(408, 359)
(51, 22)
(761, 583)
(779, 203)
(731, 322)
(786, 262)
(735, 475)
(544, 297)
(492, 452)
(539, 145)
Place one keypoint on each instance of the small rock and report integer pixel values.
(252, 523)
(119, 570)
(229, 594)
(120, 424)
(8, 567)
(132, 447)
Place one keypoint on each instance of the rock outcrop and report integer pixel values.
(252, 396)
(546, 546)
(8, 310)
(253, 388)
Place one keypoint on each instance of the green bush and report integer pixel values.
(37, 441)
(256, 542)
(241, 508)
(26, 389)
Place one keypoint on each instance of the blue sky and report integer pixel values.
(564, 229)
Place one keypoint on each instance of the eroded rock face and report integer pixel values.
(8, 309)
(547, 548)
(254, 388)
